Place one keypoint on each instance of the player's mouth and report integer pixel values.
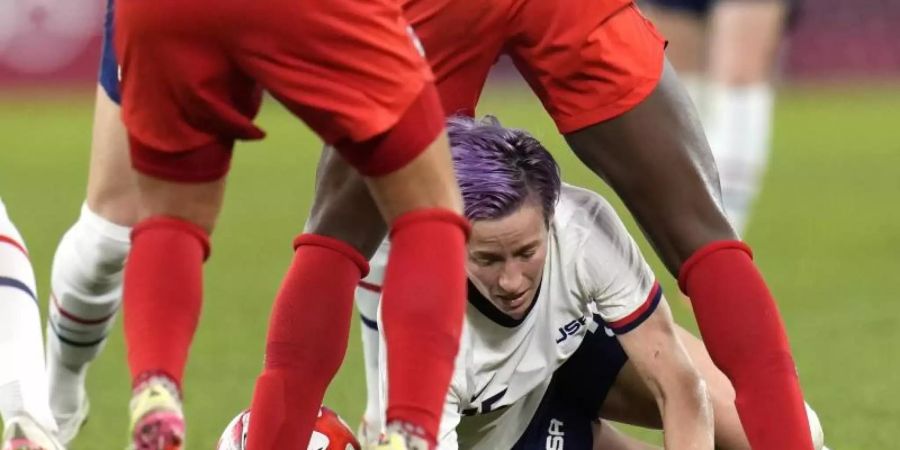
(513, 301)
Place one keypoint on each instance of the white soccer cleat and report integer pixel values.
(815, 429)
(70, 423)
(368, 434)
(23, 433)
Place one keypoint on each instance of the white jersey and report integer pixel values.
(504, 365)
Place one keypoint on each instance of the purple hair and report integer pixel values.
(498, 168)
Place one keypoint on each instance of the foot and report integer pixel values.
(369, 434)
(68, 394)
(23, 433)
(403, 436)
(70, 423)
(157, 421)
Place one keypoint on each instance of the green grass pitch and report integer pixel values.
(826, 234)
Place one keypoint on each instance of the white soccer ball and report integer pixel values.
(330, 433)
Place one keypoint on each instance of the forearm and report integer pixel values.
(680, 392)
(687, 415)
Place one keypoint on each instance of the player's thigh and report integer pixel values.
(337, 186)
(348, 69)
(744, 39)
(656, 158)
(684, 25)
(587, 61)
(111, 189)
(461, 42)
(184, 103)
(180, 87)
(428, 181)
(364, 88)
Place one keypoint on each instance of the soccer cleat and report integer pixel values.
(401, 436)
(368, 434)
(70, 424)
(157, 422)
(23, 433)
(392, 441)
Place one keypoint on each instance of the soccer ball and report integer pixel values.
(330, 433)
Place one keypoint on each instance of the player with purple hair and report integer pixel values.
(565, 324)
(600, 71)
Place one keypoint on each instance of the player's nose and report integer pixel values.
(511, 281)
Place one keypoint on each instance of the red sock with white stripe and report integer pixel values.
(163, 295)
(745, 336)
(422, 313)
(307, 339)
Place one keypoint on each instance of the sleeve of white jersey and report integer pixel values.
(611, 272)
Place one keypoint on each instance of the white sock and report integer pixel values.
(86, 292)
(23, 379)
(368, 295)
(739, 129)
(367, 304)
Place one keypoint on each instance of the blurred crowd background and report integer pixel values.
(58, 41)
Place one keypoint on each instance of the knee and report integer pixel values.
(343, 209)
(116, 204)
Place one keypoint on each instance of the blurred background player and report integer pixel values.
(725, 52)
(189, 91)
(24, 405)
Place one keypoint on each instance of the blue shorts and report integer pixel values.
(702, 7)
(577, 391)
(699, 7)
(109, 66)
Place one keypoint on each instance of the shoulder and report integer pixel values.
(584, 217)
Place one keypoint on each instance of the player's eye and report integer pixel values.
(526, 253)
(485, 260)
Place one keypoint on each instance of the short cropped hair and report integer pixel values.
(498, 168)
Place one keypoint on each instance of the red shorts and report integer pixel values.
(587, 60)
(192, 74)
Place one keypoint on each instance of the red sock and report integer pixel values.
(742, 329)
(308, 333)
(422, 313)
(162, 295)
